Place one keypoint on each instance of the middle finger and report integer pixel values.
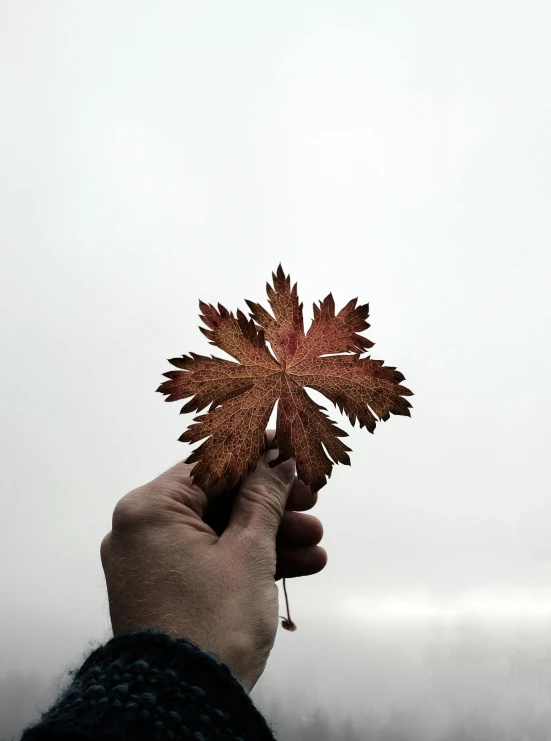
(297, 529)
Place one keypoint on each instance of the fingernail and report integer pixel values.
(285, 471)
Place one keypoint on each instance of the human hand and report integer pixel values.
(202, 565)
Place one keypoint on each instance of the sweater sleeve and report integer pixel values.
(150, 686)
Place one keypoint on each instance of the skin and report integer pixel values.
(178, 559)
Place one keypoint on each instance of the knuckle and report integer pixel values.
(267, 497)
(129, 512)
(104, 548)
(270, 487)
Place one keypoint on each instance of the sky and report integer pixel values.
(398, 152)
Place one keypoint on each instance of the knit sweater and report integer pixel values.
(149, 686)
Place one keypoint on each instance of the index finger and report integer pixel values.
(301, 497)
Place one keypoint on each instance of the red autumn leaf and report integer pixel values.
(276, 361)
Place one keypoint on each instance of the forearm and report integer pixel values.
(147, 685)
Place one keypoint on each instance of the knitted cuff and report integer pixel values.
(148, 685)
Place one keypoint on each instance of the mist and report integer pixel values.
(417, 680)
(157, 154)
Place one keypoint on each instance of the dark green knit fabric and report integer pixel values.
(147, 685)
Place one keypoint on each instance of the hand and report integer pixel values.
(172, 561)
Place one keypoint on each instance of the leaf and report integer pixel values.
(276, 361)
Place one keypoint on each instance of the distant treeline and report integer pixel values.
(23, 695)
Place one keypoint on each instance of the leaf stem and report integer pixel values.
(287, 623)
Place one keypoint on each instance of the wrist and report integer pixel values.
(245, 660)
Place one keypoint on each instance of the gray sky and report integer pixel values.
(157, 153)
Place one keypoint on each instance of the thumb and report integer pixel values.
(260, 502)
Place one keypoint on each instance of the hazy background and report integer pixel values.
(156, 153)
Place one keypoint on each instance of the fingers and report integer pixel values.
(298, 553)
(307, 531)
(294, 562)
(261, 500)
(297, 529)
(301, 498)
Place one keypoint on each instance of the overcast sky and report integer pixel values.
(155, 154)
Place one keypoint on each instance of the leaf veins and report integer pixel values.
(241, 395)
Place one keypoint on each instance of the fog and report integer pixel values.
(425, 680)
(157, 154)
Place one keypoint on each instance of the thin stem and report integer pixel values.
(287, 623)
(286, 600)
